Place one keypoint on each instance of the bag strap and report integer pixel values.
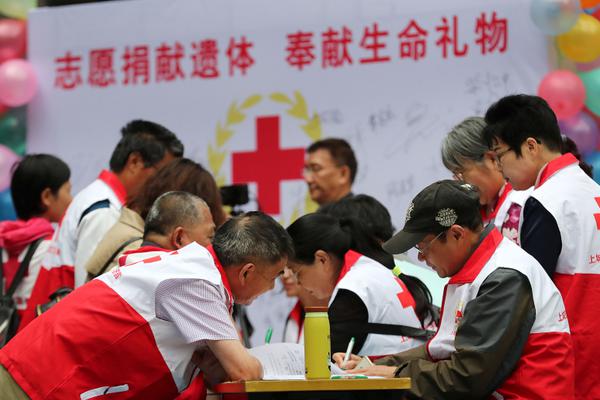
(388, 329)
(22, 268)
(116, 253)
(400, 330)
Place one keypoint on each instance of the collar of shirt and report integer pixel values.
(489, 241)
(114, 184)
(350, 259)
(223, 277)
(502, 195)
(553, 167)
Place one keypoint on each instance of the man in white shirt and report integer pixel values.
(144, 148)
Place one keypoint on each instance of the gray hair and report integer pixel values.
(252, 237)
(465, 142)
(173, 209)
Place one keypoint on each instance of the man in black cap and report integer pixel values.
(503, 330)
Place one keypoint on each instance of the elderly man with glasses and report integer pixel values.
(503, 330)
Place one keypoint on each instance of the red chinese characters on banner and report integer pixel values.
(168, 62)
(136, 65)
(205, 59)
(300, 49)
(373, 40)
(239, 56)
(493, 35)
(68, 71)
(450, 39)
(335, 47)
(413, 41)
(101, 72)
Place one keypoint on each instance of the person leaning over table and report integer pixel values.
(503, 331)
(140, 331)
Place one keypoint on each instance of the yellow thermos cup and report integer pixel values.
(317, 346)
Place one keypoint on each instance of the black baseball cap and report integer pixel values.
(435, 209)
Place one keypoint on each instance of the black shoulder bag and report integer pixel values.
(9, 318)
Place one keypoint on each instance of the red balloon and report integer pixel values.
(564, 91)
(13, 39)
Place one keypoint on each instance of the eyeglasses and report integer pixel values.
(500, 154)
(425, 249)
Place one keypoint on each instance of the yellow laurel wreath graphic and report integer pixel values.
(298, 109)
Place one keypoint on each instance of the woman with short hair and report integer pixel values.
(466, 154)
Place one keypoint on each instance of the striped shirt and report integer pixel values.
(197, 308)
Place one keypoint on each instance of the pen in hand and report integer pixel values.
(348, 351)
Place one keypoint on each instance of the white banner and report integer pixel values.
(247, 85)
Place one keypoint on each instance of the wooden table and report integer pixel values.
(318, 389)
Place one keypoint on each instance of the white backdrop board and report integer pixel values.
(247, 85)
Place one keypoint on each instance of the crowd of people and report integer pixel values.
(127, 290)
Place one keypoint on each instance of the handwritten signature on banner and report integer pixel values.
(142, 64)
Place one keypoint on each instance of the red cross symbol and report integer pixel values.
(269, 165)
(404, 296)
(597, 215)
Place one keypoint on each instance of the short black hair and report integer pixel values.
(252, 237)
(31, 176)
(151, 140)
(514, 118)
(340, 151)
(373, 216)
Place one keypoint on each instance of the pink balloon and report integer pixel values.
(564, 92)
(583, 130)
(18, 82)
(7, 159)
(13, 39)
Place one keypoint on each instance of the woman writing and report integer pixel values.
(336, 260)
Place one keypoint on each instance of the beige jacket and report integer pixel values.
(130, 225)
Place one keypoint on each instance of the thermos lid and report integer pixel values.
(315, 309)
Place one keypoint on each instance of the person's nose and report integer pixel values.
(420, 256)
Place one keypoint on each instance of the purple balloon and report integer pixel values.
(583, 130)
(7, 159)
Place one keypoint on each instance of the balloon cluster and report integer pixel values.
(18, 85)
(574, 95)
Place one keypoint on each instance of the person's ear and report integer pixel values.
(322, 259)
(46, 197)
(135, 162)
(245, 272)
(177, 238)
(345, 173)
(456, 232)
(532, 145)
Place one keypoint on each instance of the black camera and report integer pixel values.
(234, 195)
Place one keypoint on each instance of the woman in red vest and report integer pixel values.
(41, 193)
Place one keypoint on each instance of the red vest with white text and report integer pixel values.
(105, 337)
(573, 199)
(387, 301)
(545, 369)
